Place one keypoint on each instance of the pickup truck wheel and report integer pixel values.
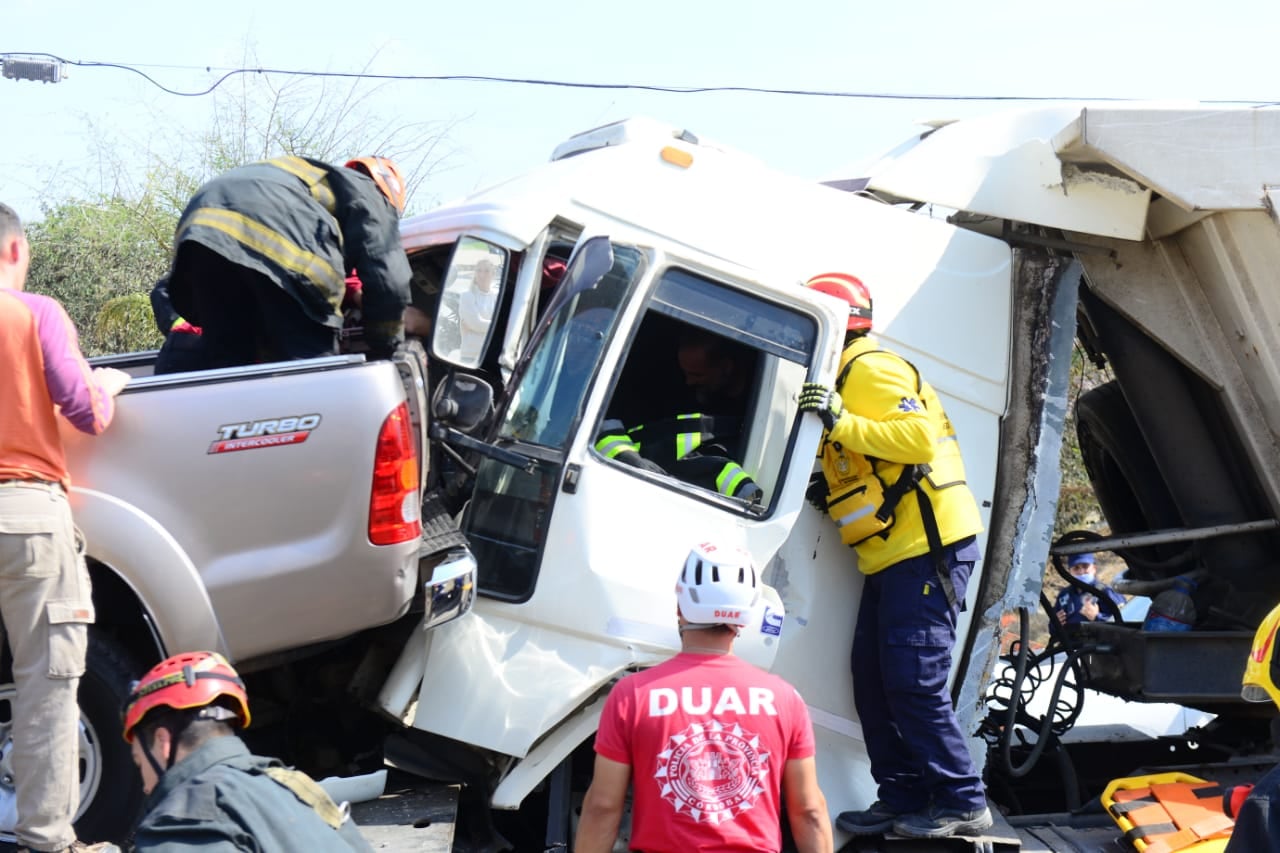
(110, 788)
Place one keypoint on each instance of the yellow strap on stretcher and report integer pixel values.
(1169, 812)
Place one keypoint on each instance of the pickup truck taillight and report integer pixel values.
(394, 514)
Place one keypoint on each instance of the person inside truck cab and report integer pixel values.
(684, 447)
(895, 487)
(261, 255)
(205, 790)
(716, 374)
(701, 442)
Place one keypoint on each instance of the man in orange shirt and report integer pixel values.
(46, 604)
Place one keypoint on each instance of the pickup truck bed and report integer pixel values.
(236, 503)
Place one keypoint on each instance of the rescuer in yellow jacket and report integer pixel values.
(892, 418)
(1257, 826)
(895, 487)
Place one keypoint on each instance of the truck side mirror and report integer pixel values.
(469, 302)
(462, 402)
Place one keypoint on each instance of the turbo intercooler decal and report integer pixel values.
(271, 432)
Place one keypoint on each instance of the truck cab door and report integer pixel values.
(578, 553)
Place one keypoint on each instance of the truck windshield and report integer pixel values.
(549, 397)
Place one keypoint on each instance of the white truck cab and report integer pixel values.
(578, 554)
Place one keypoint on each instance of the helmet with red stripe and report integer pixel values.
(850, 289)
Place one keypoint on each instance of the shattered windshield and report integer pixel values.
(549, 398)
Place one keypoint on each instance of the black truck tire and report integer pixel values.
(115, 804)
(110, 787)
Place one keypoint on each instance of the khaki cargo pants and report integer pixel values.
(46, 607)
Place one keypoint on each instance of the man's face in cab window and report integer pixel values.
(709, 373)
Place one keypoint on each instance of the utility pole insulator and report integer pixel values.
(30, 68)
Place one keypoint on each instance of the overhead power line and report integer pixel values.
(567, 84)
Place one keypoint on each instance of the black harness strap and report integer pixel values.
(907, 480)
(936, 549)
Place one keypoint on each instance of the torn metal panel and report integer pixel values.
(1092, 169)
(1008, 166)
(1200, 159)
(1026, 500)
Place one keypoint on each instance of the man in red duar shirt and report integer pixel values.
(711, 741)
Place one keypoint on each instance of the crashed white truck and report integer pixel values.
(991, 246)
(1145, 236)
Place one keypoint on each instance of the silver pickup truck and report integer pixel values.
(270, 512)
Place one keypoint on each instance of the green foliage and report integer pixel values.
(126, 324)
(1077, 505)
(86, 253)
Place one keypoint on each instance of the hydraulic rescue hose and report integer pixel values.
(1047, 731)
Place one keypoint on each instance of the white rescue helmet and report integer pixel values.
(718, 586)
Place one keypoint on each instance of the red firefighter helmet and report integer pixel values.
(188, 680)
(386, 174)
(850, 289)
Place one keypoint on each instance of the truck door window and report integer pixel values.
(468, 302)
(707, 393)
(507, 518)
(555, 381)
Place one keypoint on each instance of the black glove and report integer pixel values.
(818, 491)
(382, 349)
(823, 401)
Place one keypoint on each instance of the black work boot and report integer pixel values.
(877, 819)
(942, 823)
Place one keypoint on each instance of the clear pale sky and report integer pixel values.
(1085, 48)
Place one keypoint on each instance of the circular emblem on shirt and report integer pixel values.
(712, 772)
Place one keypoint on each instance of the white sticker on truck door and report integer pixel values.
(269, 432)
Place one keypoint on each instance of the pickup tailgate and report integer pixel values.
(263, 476)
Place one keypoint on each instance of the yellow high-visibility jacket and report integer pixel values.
(893, 418)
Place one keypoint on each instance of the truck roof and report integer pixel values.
(643, 177)
(1110, 170)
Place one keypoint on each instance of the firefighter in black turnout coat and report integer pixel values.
(262, 251)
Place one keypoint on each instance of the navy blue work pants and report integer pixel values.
(901, 660)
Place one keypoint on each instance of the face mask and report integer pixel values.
(1087, 577)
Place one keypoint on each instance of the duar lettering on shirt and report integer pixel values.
(696, 701)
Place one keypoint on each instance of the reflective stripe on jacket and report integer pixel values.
(677, 453)
(304, 224)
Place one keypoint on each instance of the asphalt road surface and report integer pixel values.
(410, 816)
